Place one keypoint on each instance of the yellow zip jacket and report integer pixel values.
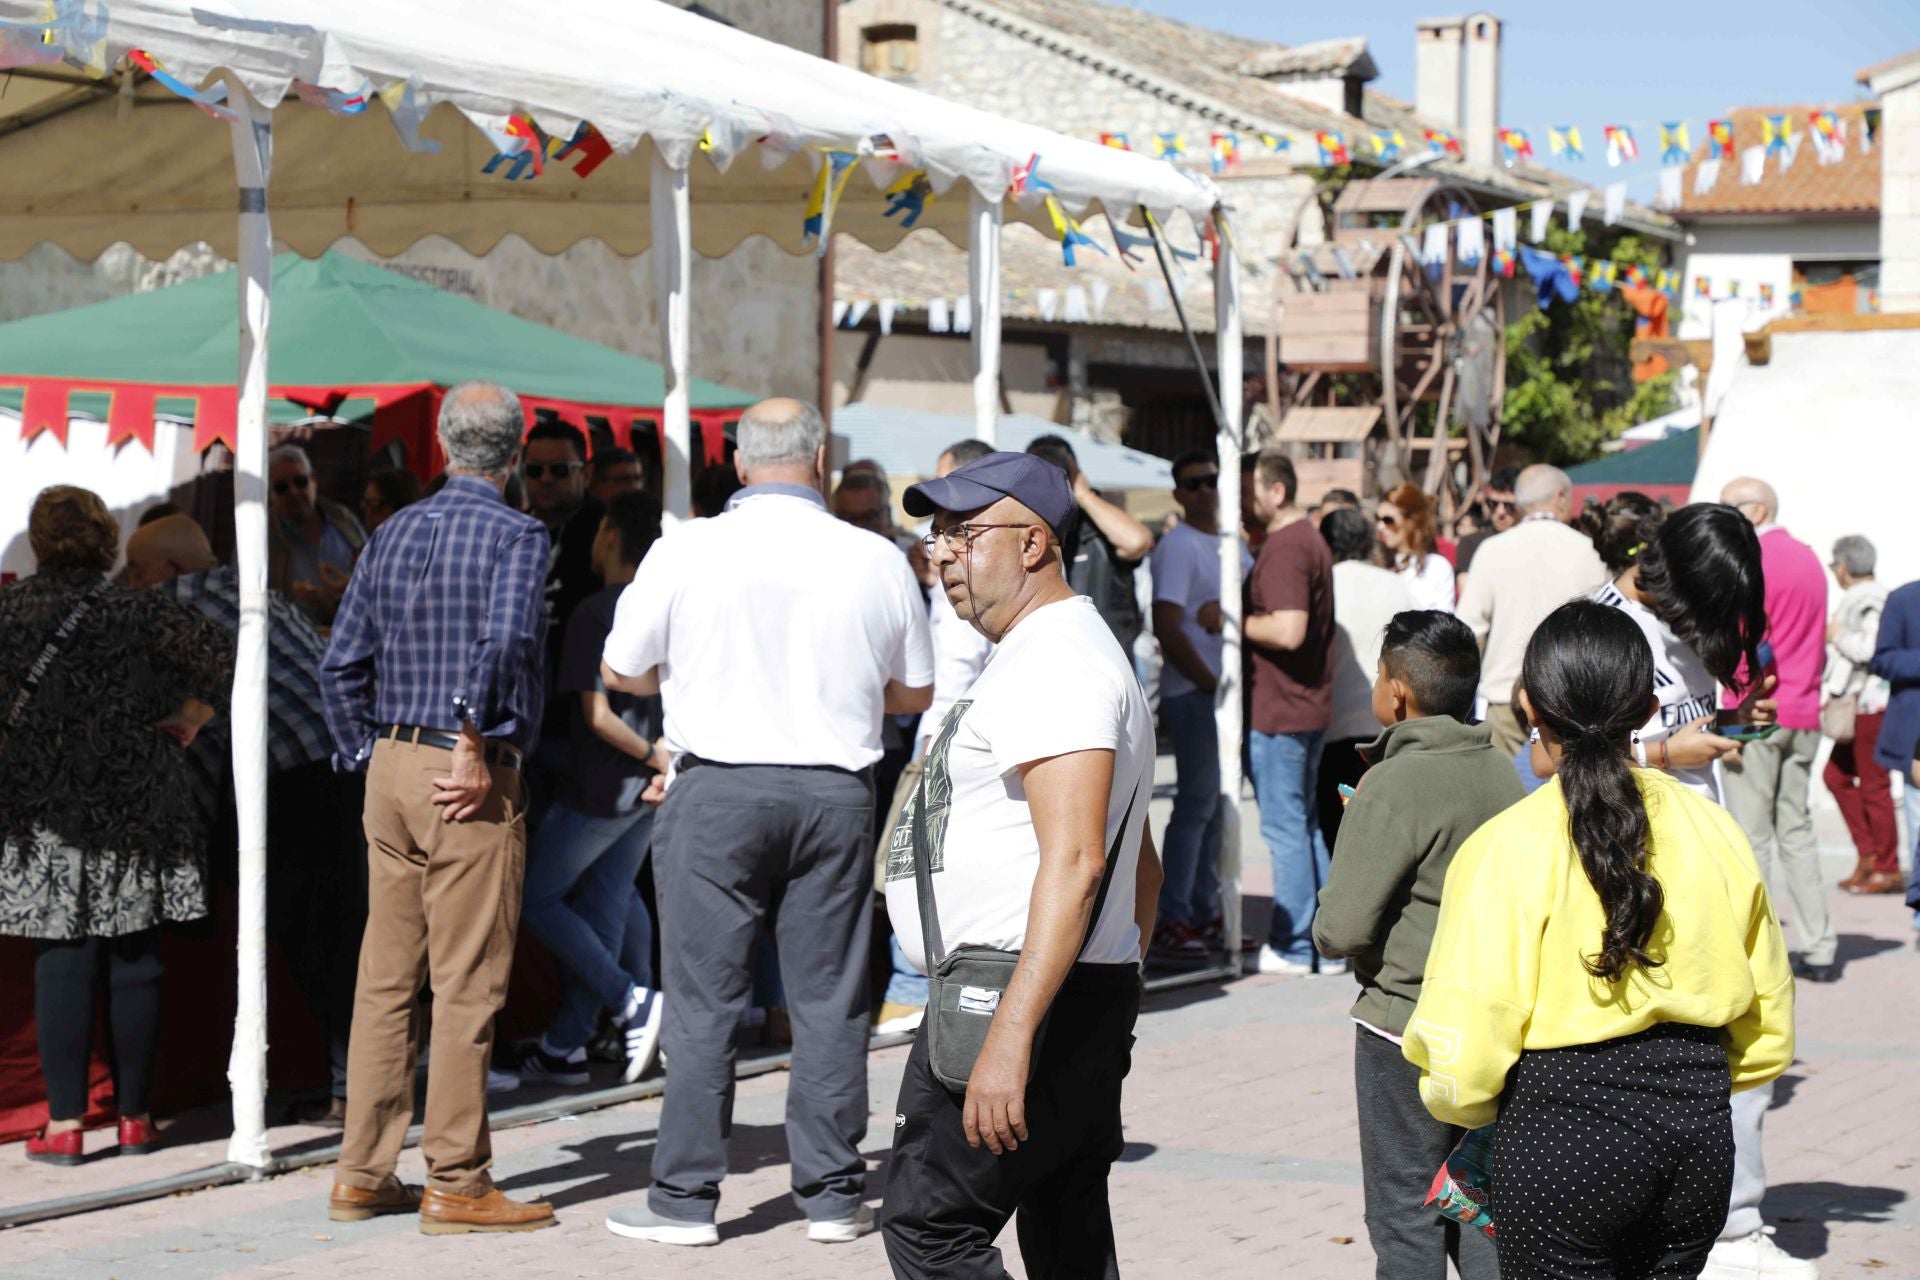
(1518, 916)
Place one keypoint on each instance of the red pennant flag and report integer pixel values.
(130, 416)
(44, 409)
(218, 419)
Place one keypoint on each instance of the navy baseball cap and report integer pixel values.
(1033, 482)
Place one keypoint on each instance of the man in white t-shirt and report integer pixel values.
(1036, 781)
(779, 637)
(1187, 622)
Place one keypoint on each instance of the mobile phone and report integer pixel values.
(1746, 732)
(1346, 792)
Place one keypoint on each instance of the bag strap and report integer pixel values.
(930, 940)
(35, 673)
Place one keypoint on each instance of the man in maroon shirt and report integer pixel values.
(1289, 632)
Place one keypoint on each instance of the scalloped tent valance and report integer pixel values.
(95, 157)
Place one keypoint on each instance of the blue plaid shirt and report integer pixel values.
(296, 719)
(444, 621)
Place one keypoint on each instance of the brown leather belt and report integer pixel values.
(497, 752)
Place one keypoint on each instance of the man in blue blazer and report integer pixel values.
(1896, 656)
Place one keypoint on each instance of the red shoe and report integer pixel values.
(138, 1137)
(65, 1147)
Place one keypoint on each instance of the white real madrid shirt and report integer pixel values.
(1057, 684)
(776, 628)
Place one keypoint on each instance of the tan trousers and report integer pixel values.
(443, 905)
(1506, 728)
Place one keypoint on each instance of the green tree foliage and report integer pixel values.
(1570, 386)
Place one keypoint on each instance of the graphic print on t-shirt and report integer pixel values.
(938, 788)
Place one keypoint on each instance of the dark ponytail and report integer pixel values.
(1589, 677)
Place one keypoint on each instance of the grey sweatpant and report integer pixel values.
(1749, 1162)
(731, 845)
(1768, 795)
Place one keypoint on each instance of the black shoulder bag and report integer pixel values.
(964, 988)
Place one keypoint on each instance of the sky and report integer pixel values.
(1629, 61)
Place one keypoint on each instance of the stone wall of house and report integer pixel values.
(1900, 197)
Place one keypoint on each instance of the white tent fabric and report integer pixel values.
(907, 443)
(749, 119)
(1827, 421)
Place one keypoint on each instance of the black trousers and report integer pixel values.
(731, 847)
(947, 1201)
(1614, 1160)
(1401, 1148)
(64, 974)
(317, 893)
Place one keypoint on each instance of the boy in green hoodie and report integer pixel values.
(1435, 778)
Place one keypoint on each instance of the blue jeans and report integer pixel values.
(1285, 770)
(1910, 802)
(907, 985)
(1190, 856)
(582, 904)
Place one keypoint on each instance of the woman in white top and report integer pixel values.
(1406, 529)
(1697, 593)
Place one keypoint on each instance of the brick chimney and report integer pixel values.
(1480, 121)
(1438, 68)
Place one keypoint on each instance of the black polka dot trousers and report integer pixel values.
(1613, 1161)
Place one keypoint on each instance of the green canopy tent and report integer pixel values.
(1661, 470)
(347, 331)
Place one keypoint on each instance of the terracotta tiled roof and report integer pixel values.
(1851, 186)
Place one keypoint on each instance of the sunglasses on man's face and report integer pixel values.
(299, 482)
(561, 470)
(1194, 484)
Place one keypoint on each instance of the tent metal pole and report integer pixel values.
(673, 277)
(1193, 343)
(983, 281)
(1229, 358)
(247, 1068)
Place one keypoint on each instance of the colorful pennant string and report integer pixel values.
(908, 196)
(1516, 145)
(1442, 141)
(1225, 150)
(1118, 141)
(1388, 145)
(208, 100)
(1564, 141)
(1621, 148)
(1720, 138)
(1169, 146)
(1674, 145)
(817, 225)
(1333, 149)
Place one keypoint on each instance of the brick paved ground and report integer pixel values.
(1241, 1159)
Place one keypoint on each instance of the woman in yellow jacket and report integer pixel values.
(1605, 970)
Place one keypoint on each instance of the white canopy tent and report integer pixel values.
(716, 134)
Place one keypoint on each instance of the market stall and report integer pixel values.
(389, 122)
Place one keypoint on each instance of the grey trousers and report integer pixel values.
(1767, 794)
(732, 845)
(1749, 1162)
(1401, 1148)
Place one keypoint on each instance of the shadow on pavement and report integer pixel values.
(621, 1164)
(1783, 1090)
(1805, 1212)
(1858, 946)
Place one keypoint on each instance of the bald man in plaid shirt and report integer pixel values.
(433, 686)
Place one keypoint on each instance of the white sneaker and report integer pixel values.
(638, 1222)
(502, 1081)
(842, 1230)
(1331, 968)
(642, 1034)
(1756, 1257)
(1272, 961)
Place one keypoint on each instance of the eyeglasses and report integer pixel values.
(959, 537)
(299, 482)
(561, 470)
(1193, 484)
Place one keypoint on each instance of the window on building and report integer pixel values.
(891, 50)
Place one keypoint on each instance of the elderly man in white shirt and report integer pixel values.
(1518, 578)
(779, 637)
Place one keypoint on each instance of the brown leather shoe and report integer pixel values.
(357, 1204)
(444, 1214)
(1879, 882)
(1861, 869)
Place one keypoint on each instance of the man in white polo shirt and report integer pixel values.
(1035, 835)
(1519, 577)
(778, 637)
